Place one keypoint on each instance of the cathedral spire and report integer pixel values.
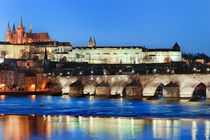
(90, 40)
(13, 30)
(94, 42)
(30, 28)
(8, 27)
(8, 34)
(21, 23)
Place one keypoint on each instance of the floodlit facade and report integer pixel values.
(123, 54)
(106, 55)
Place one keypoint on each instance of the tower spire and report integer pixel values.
(21, 23)
(30, 28)
(94, 42)
(8, 27)
(8, 34)
(90, 42)
(13, 30)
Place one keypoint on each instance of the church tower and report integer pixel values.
(176, 47)
(20, 32)
(94, 42)
(90, 42)
(8, 34)
(30, 29)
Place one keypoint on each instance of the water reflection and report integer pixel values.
(62, 127)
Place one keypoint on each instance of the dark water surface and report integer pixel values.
(57, 105)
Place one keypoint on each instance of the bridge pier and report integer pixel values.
(171, 90)
(208, 93)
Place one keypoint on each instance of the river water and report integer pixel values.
(89, 118)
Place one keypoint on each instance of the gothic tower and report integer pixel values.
(30, 29)
(8, 34)
(20, 32)
(94, 42)
(90, 42)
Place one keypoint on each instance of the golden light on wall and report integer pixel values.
(33, 86)
(2, 85)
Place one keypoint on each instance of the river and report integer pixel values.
(90, 118)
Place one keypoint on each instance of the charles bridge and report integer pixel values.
(140, 86)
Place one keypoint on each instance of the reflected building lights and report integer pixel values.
(207, 129)
(33, 97)
(116, 128)
(3, 97)
(194, 130)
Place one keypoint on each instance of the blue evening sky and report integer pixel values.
(149, 23)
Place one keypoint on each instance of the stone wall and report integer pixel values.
(76, 91)
(102, 91)
(208, 93)
(134, 91)
(170, 92)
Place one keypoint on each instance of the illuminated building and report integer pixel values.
(123, 54)
(20, 36)
(22, 45)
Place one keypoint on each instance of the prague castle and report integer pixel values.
(20, 36)
(27, 45)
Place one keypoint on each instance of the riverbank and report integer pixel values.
(25, 93)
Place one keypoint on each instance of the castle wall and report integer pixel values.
(108, 55)
(13, 51)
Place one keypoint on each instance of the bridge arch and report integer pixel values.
(117, 89)
(151, 87)
(200, 90)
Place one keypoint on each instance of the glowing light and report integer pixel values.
(33, 97)
(33, 86)
(133, 71)
(2, 114)
(113, 79)
(2, 85)
(207, 69)
(2, 97)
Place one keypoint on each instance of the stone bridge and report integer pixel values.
(149, 83)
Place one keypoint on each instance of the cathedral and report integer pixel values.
(20, 36)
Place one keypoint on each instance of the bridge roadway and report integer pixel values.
(149, 83)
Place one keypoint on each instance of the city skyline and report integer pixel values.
(151, 24)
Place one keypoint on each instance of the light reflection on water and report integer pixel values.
(69, 127)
